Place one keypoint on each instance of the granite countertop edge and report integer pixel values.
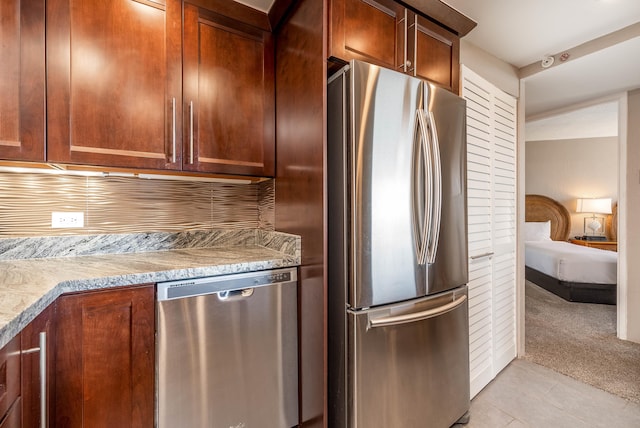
(28, 286)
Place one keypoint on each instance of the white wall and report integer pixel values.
(569, 169)
(632, 208)
(496, 71)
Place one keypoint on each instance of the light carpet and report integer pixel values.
(579, 340)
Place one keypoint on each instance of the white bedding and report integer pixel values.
(572, 263)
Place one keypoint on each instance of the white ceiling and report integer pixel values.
(523, 32)
(609, 71)
(599, 120)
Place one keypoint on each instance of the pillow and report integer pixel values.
(537, 231)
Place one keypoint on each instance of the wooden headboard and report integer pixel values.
(612, 223)
(543, 208)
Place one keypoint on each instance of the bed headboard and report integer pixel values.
(543, 208)
(612, 223)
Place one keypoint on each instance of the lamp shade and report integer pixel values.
(597, 205)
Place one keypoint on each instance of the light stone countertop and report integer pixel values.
(29, 285)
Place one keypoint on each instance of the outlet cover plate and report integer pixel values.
(67, 219)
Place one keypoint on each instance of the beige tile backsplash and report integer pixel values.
(123, 204)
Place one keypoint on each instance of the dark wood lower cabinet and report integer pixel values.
(12, 418)
(9, 378)
(104, 359)
(32, 412)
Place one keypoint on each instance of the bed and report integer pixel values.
(573, 272)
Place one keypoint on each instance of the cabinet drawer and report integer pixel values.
(9, 374)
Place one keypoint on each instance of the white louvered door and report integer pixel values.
(504, 229)
(479, 212)
(491, 187)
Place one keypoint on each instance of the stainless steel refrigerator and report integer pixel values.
(398, 311)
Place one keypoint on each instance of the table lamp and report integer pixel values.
(594, 226)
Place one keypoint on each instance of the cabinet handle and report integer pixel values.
(408, 64)
(173, 130)
(190, 132)
(44, 423)
(42, 349)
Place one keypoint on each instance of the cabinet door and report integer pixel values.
(13, 417)
(435, 52)
(9, 375)
(31, 374)
(228, 96)
(114, 82)
(104, 359)
(368, 30)
(22, 77)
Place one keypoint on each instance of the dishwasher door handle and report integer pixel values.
(232, 295)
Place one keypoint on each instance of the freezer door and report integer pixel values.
(379, 162)
(409, 364)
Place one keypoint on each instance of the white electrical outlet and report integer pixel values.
(67, 219)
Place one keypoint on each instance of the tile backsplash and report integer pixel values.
(129, 204)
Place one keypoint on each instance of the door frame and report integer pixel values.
(622, 290)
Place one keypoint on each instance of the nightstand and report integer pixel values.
(603, 245)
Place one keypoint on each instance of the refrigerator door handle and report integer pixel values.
(436, 194)
(421, 188)
(417, 316)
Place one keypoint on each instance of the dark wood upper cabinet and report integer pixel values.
(228, 105)
(115, 88)
(105, 359)
(368, 30)
(386, 33)
(114, 83)
(434, 52)
(22, 80)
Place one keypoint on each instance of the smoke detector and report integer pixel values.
(547, 61)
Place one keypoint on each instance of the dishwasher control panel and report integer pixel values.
(214, 284)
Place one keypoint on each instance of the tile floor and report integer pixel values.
(528, 395)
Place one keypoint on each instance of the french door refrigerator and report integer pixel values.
(398, 311)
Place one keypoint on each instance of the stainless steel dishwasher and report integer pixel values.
(227, 351)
